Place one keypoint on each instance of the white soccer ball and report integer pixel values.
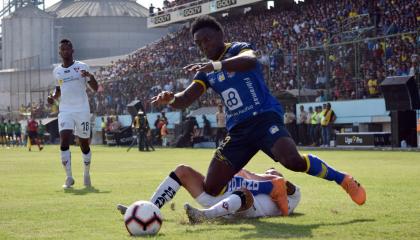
(143, 218)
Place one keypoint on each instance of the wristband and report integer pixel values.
(217, 66)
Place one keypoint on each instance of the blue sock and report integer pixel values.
(318, 168)
(255, 187)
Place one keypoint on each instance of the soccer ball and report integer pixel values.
(142, 218)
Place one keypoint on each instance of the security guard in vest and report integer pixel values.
(141, 128)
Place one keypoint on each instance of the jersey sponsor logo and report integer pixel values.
(192, 11)
(274, 129)
(232, 99)
(231, 74)
(66, 71)
(225, 3)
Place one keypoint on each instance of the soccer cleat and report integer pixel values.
(354, 189)
(86, 180)
(195, 216)
(121, 208)
(279, 195)
(69, 183)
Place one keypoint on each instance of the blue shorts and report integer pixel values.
(247, 138)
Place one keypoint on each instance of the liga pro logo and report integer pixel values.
(225, 3)
(191, 11)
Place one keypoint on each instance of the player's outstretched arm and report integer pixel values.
(179, 100)
(242, 62)
(54, 96)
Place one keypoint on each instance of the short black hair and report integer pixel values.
(66, 41)
(205, 21)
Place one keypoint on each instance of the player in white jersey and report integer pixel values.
(74, 111)
(261, 205)
(242, 198)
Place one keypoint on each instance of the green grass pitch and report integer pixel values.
(34, 206)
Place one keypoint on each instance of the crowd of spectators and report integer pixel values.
(277, 35)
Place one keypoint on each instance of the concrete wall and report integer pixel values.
(96, 37)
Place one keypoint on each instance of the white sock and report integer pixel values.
(206, 200)
(66, 161)
(227, 206)
(166, 190)
(86, 161)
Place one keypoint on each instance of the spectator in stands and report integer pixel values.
(320, 97)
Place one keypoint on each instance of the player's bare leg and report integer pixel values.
(66, 157)
(218, 175)
(86, 155)
(285, 152)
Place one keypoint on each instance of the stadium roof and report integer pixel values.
(98, 8)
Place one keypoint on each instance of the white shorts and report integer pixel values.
(265, 207)
(78, 122)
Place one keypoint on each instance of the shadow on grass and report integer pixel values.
(84, 191)
(264, 229)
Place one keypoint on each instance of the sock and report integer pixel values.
(317, 167)
(86, 161)
(66, 161)
(229, 205)
(166, 190)
(206, 200)
(255, 187)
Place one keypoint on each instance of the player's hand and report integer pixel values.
(162, 98)
(199, 67)
(50, 99)
(85, 73)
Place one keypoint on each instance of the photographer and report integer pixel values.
(141, 127)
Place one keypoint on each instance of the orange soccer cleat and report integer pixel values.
(279, 195)
(354, 189)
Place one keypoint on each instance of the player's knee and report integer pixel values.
(182, 171)
(212, 189)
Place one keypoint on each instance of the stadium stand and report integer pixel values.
(277, 35)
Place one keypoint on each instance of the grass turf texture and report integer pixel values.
(34, 206)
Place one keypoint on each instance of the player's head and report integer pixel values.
(207, 33)
(66, 49)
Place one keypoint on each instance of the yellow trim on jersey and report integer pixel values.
(308, 164)
(227, 46)
(201, 82)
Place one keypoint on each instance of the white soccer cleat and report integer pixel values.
(122, 208)
(68, 183)
(195, 216)
(86, 180)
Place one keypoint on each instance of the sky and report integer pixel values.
(145, 3)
